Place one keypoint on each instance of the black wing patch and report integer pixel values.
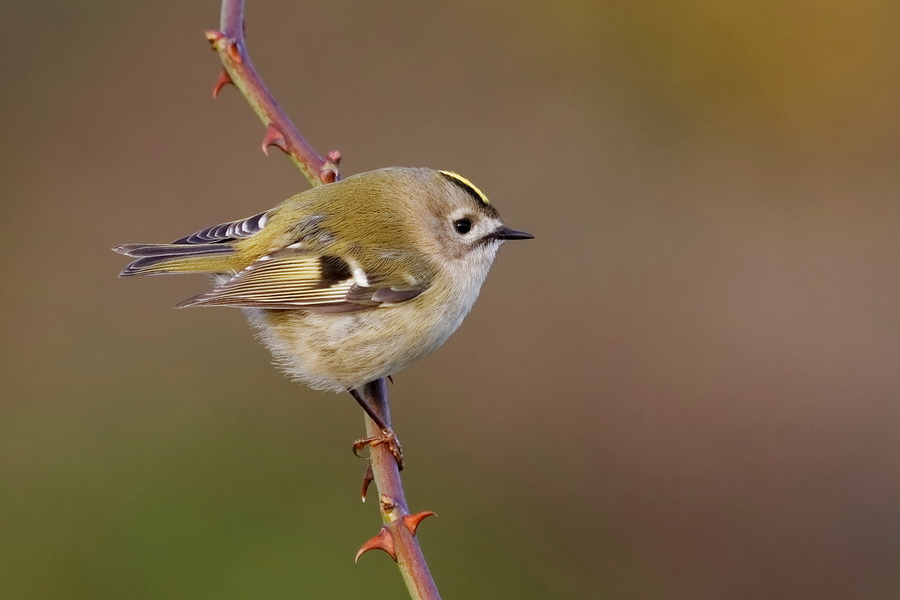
(333, 270)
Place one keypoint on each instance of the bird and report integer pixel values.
(349, 282)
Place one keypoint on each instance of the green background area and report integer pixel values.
(685, 387)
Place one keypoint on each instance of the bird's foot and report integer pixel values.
(388, 437)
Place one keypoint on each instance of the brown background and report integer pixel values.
(685, 387)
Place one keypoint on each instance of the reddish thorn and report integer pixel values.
(327, 176)
(234, 52)
(274, 137)
(223, 80)
(412, 521)
(333, 157)
(383, 541)
(368, 477)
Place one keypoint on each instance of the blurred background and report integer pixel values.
(686, 387)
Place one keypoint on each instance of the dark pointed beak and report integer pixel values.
(505, 233)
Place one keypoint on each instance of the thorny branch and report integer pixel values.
(280, 131)
(397, 536)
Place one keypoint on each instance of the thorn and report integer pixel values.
(368, 477)
(223, 80)
(234, 52)
(412, 521)
(327, 176)
(383, 541)
(273, 137)
(391, 379)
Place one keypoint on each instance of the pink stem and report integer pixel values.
(280, 131)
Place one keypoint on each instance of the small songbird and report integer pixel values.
(347, 282)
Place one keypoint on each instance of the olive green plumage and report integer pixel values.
(351, 281)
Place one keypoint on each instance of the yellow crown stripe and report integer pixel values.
(468, 184)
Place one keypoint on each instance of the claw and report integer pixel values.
(359, 445)
(411, 522)
(223, 80)
(383, 541)
(273, 137)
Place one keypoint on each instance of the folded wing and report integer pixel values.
(295, 279)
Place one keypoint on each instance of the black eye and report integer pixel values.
(462, 225)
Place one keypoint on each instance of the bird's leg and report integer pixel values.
(387, 434)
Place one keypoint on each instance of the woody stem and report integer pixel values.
(231, 46)
(392, 502)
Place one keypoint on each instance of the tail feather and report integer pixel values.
(160, 259)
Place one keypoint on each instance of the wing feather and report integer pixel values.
(159, 259)
(227, 232)
(293, 278)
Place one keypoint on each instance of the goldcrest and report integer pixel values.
(347, 282)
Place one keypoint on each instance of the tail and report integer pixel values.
(161, 259)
